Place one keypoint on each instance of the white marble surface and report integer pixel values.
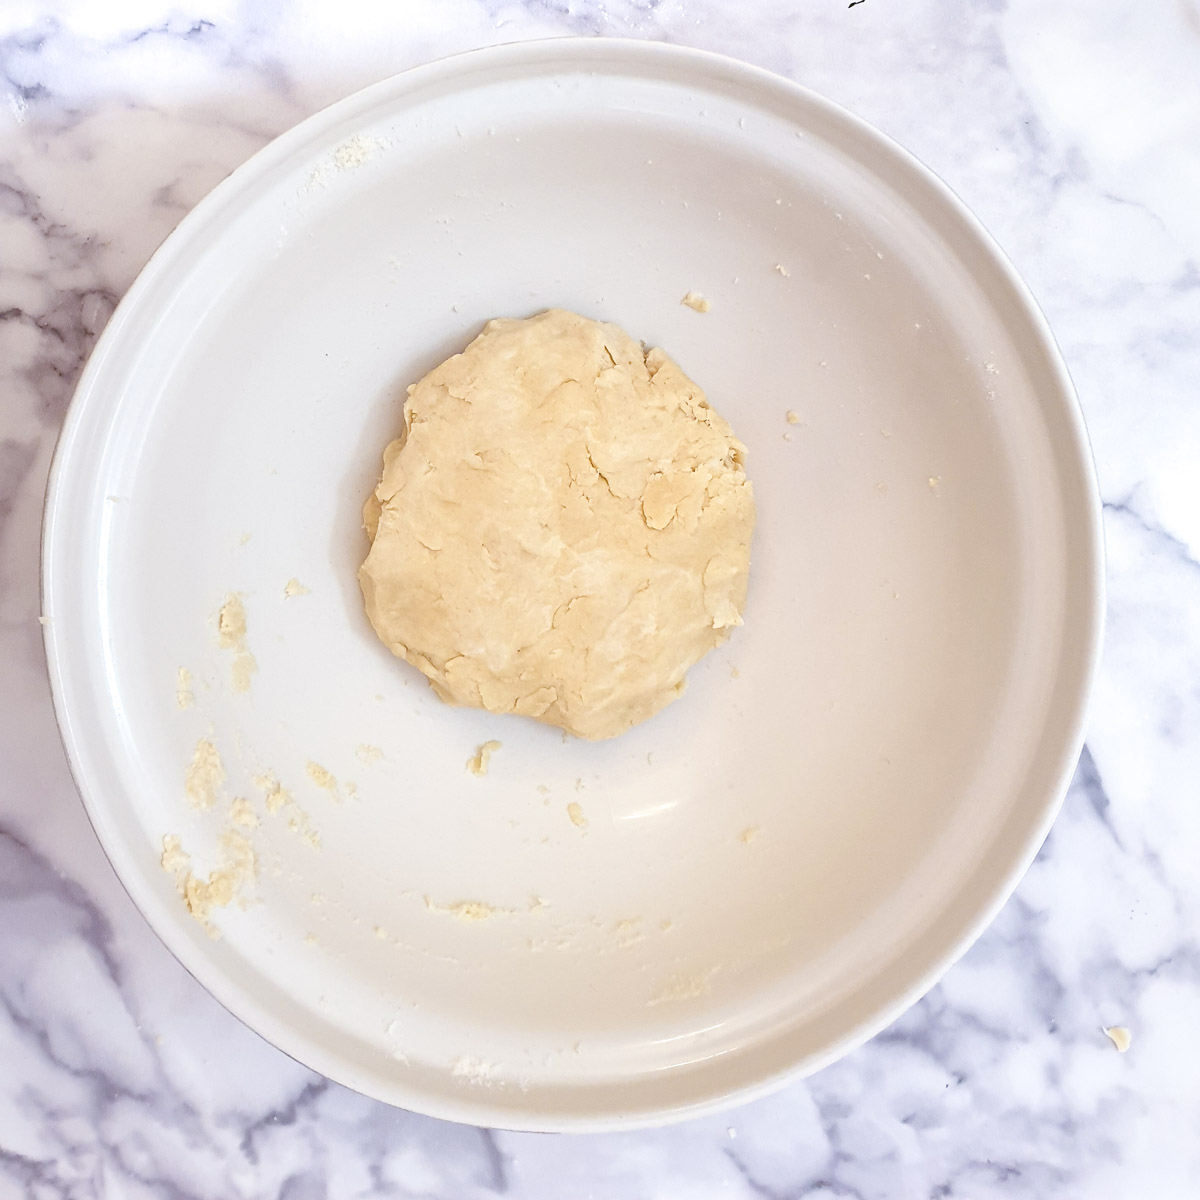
(1073, 129)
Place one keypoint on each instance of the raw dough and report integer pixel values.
(477, 764)
(562, 529)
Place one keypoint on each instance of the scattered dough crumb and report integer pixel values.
(276, 795)
(174, 857)
(354, 151)
(464, 910)
(684, 987)
(368, 753)
(299, 824)
(478, 763)
(935, 481)
(793, 418)
(749, 834)
(184, 695)
(244, 538)
(782, 270)
(474, 1070)
(231, 635)
(575, 812)
(205, 775)
(627, 932)
(231, 623)
(241, 812)
(244, 667)
(310, 939)
(294, 587)
(696, 302)
(381, 933)
(734, 673)
(321, 777)
(238, 868)
(1119, 1036)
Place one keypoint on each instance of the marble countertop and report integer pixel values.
(1073, 130)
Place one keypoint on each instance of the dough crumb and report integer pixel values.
(1119, 1036)
(355, 151)
(474, 1070)
(683, 987)
(222, 886)
(793, 418)
(241, 812)
(244, 667)
(299, 824)
(231, 623)
(322, 777)
(734, 673)
(464, 910)
(628, 932)
(477, 764)
(935, 482)
(696, 302)
(782, 270)
(205, 776)
(749, 834)
(184, 696)
(294, 587)
(275, 794)
(368, 753)
(575, 812)
(381, 933)
(231, 635)
(174, 858)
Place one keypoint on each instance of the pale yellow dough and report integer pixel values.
(562, 528)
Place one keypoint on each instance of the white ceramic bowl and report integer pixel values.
(779, 863)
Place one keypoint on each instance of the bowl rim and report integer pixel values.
(574, 53)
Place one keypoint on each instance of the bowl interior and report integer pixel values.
(772, 865)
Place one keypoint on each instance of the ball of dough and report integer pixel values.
(562, 528)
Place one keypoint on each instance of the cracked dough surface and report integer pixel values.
(562, 528)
